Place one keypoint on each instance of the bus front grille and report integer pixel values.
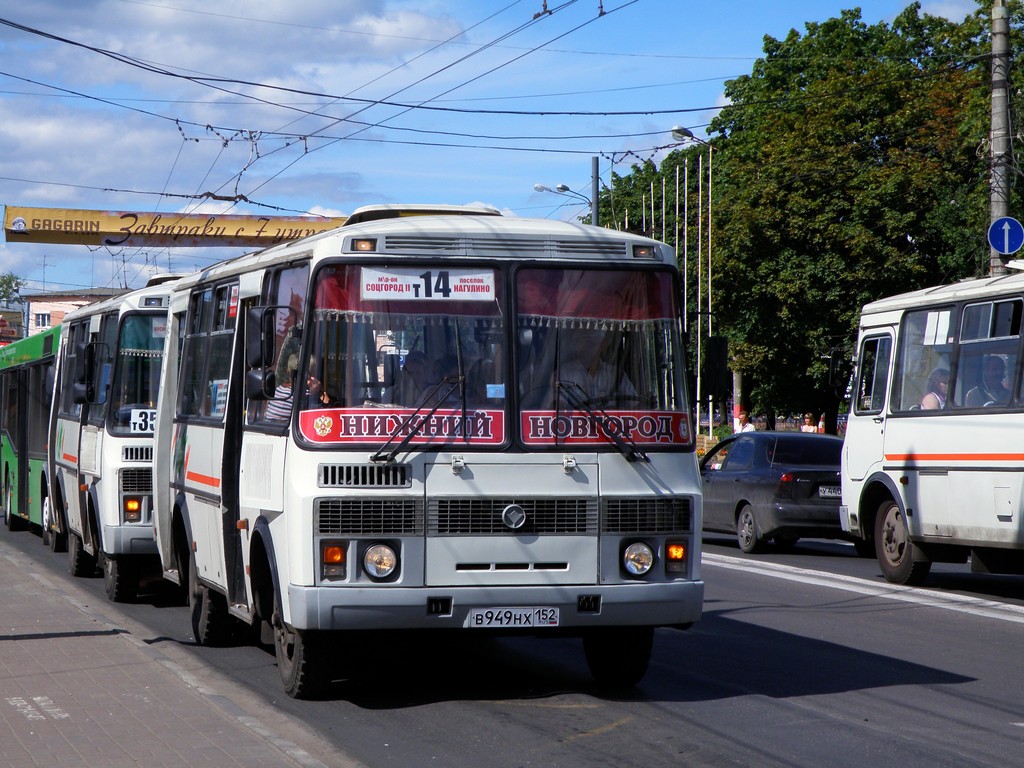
(136, 480)
(483, 516)
(645, 515)
(364, 476)
(136, 453)
(368, 517)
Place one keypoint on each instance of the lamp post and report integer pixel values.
(682, 134)
(565, 191)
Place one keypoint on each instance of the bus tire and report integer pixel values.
(120, 578)
(301, 658)
(80, 562)
(747, 535)
(11, 520)
(44, 524)
(894, 549)
(618, 656)
(211, 622)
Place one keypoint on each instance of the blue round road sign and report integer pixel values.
(1006, 235)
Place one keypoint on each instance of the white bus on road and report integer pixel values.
(432, 419)
(933, 469)
(101, 437)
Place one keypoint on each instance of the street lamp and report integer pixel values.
(682, 134)
(563, 189)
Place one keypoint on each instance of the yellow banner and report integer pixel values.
(127, 228)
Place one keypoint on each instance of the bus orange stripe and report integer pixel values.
(213, 482)
(69, 457)
(954, 457)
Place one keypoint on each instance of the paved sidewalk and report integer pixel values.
(78, 690)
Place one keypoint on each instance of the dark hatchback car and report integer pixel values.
(773, 485)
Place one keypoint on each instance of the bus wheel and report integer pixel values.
(121, 578)
(618, 656)
(211, 622)
(44, 517)
(80, 562)
(894, 548)
(301, 660)
(746, 531)
(11, 520)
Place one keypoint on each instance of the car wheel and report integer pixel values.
(80, 562)
(894, 548)
(747, 535)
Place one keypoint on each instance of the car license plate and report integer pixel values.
(511, 618)
(830, 491)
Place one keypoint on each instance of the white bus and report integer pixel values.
(101, 437)
(425, 420)
(931, 468)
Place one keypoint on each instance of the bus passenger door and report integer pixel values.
(865, 430)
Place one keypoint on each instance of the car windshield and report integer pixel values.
(801, 451)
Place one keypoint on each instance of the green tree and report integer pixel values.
(850, 164)
(10, 287)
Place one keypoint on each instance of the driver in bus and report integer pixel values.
(583, 354)
(991, 390)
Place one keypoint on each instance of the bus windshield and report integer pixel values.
(391, 344)
(602, 342)
(140, 347)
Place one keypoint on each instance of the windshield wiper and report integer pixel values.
(453, 381)
(577, 398)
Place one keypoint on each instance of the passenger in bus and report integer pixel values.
(938, 385)
(280, 408)
(584, 364)
(991, 390)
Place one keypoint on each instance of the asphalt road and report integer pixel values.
(802, 659)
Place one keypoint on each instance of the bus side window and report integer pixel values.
(873, 374)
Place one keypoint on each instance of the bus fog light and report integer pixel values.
(380, 561)
(675, 557)
(332, 559)
(132, 510)
(637, 558)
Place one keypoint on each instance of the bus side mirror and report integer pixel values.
(91, 376)
(259, 337)
(260, 384)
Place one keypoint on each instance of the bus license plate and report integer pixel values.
(830, 491)
(512, 618)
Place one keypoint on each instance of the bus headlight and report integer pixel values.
(380, 561)
(637, 558)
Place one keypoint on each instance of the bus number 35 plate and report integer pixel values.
(510, 618)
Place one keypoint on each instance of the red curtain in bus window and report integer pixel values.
(612, 294)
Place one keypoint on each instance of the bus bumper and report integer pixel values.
(129, 540)
(640, 604)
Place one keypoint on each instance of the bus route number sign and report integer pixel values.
(403, 284)
(143, 421)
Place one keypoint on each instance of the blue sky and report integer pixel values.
(148, 102)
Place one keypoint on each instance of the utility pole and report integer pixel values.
(595, 187)
(999, 139)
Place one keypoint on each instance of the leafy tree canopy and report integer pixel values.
(851, 163)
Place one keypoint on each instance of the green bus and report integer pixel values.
(26, 391)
